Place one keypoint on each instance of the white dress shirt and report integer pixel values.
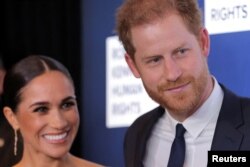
(200, 130)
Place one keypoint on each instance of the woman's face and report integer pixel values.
(47, 115)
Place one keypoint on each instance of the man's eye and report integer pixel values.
(154, 60)
(182, 51)
(41, 109)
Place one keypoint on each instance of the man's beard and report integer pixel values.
(184, 102)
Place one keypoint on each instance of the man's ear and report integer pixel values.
(132, 65)
(11, 117)
(205, 41)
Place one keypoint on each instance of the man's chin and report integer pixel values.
(180, 106)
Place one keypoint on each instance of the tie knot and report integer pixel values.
(180, 130)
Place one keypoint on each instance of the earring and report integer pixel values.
(15, 142)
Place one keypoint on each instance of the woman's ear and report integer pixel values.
(11, 117)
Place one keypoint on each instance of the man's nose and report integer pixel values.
(172, 70)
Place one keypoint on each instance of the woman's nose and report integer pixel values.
(58, 120)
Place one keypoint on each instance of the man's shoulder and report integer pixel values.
(245, 101)
(233, 102)
(137, 135)
(147, 120)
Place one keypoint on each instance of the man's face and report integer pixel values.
(172, 64)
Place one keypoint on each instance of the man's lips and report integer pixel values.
(177, 88)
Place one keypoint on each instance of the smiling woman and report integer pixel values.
(39, 101)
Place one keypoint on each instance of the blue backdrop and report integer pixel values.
(99, 143)
(229, 62)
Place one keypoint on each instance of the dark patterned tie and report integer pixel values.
(177, 154)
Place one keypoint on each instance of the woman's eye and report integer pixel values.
(68, 105)
(41, 109)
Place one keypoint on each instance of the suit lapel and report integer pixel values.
(227, 135)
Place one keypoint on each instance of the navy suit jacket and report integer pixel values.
(232, 131)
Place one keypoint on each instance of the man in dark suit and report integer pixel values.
(167, 47)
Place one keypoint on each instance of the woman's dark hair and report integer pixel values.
(23, 72)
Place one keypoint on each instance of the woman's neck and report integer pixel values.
(39, 160)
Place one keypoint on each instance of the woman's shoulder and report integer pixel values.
(84, 163)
